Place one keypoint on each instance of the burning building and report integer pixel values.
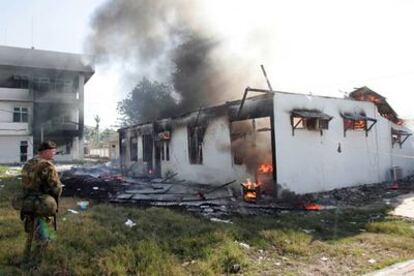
(41, 98)
(273, 142)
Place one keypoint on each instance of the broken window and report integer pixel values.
(399, 136)
(241, 133)
(162, 151)
(147, 145)
(68, 147)
(309, 119)
(357, 121)
(298, 122)
(238, 141)
(167, 151)
(20, 115)
(23, 151)
(133, 148)
(164, 141)
(195, 144)
(21, 82)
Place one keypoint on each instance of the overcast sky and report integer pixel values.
(323, 47)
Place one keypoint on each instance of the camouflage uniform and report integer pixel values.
(41, 190)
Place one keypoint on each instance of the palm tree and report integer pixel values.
(97, 121)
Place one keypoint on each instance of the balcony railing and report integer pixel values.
(52, 126)
(14, 129)
(15, 94)
(53, 97)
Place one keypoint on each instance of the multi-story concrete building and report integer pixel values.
(41, 98)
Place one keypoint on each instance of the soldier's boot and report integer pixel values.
(39, 251)
(29, 229)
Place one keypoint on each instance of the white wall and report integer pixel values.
(101, 152)
(308, 162)
(15, 94)
(7, 126)
(10, 148)
(217, 167)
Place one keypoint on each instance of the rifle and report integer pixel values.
(55, 215)
(55, 222)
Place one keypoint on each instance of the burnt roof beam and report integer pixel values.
(248, 89)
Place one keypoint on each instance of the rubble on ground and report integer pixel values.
(104, 182)
(359, 196)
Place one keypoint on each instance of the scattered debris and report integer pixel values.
(221, 220)
(359, 196)
(235, 268)
(244, 245)
(130, 223)
(104, 183)
(184, 264)
(83, 205)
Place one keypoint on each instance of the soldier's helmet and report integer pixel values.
(46, 145)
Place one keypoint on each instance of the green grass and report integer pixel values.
(3, 170)
(172, 242)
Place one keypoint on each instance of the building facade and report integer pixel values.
(286, 141)
(41, 98)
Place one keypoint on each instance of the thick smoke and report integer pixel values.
(167, 41)
(250, 146)
(173, 42)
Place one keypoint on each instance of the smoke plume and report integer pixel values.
(169, 41)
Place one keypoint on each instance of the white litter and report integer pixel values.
(372, 261)
(95, 188)
(130, 223)
(308, 231)
(244, 245)
(324, 259)
(73, 211)
(221, 220)
(83, 205)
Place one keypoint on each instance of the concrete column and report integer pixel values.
(81, 113)
(75, 148)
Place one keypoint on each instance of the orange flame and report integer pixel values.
(250, 193)
(265, 168)
(249, 184)
(359, 124)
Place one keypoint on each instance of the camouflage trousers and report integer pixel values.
(39, 236)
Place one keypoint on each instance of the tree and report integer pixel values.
(95, 140)
(148, 101)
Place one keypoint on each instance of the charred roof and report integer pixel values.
(42, 59)
(254, 107)
(366, 94)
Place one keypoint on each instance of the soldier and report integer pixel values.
(41, 192)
